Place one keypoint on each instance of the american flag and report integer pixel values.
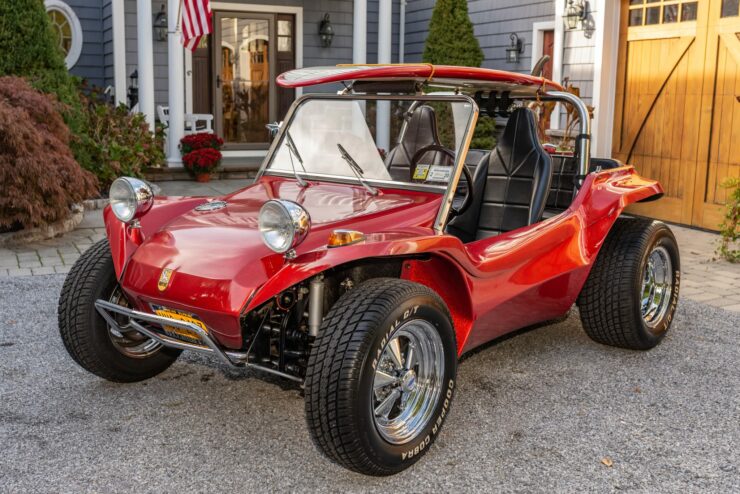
(196, 22)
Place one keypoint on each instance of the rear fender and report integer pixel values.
(605, 195)
(124, 240)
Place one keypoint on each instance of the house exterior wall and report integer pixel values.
(372, 30)
(90, 64)
(578, 58)
(313, 53)
(493, 22)
(107, 35)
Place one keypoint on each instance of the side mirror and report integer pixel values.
(273, 128)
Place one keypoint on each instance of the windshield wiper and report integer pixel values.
(359, 172)
(290, 144)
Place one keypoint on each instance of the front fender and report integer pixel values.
(124, 240)
(378, 245)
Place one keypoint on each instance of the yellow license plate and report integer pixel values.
(180, 333)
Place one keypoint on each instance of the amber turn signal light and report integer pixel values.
(338, 238)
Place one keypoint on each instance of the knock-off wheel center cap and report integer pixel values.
(408, 381)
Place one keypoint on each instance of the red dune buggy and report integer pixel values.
(365, 273)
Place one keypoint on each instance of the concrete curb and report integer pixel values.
(47, 231)
(93, 204)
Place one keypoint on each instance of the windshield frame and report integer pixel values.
(448, 191)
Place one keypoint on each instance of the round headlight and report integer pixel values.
(130, 198)
(283, 224)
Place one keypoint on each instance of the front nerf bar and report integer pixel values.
(231, 358)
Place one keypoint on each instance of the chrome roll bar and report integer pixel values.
(583, 140)
(230, 358)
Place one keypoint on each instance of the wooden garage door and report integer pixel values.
(678, 103)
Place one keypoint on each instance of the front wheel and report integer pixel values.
(631, 294)
(381, 376)
(119, 356)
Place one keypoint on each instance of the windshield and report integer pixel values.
(403, 141)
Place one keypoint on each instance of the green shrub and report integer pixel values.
(451, 41)
(117, 142)
(730, 228)
(29, 49)
(40, 178)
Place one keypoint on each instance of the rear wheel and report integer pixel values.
(380, 377)
(119, 356)
(631, 294)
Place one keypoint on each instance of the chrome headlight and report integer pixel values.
(283, 224)
(130, 198)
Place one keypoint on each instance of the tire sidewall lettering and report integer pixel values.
(663, 239)
(386, 338)
(436, 427)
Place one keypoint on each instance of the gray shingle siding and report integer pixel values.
(90, 64)
(493, 22)
(340, 51)
(107, 24)
(373, 7)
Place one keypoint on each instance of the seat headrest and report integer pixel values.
(521, 128)
(421, 130)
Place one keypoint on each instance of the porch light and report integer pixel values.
(326, 31)
(513, 51)
(160, 25)
(575, 12)
(133, 89)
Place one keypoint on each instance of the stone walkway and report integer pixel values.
(705, 279)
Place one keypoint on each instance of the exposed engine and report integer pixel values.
(279, 335)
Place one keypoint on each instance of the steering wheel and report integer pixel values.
(468, 200)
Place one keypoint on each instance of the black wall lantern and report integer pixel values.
(513, 51)
(160, 25)
(326, 31)
(575, 12)
(133, 89)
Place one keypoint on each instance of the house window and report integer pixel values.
(652, 12)
(730, 8)
(66, 27)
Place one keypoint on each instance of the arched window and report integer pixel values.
(67, 28)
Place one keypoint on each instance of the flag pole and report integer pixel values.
(178, 26)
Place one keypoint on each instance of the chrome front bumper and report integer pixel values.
(135, 319)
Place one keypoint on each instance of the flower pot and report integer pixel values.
(203, 177)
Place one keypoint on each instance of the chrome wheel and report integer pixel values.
(408, 381)
(128, 341)
(657, 286)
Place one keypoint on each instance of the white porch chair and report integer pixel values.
(192, 125)
(192, 120)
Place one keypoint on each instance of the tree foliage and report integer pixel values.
(29, 49)
(105, 140)
(451, 41)
(40, 177)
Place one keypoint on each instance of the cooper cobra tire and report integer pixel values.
(85, 333)
(631, 294)
(353, 356)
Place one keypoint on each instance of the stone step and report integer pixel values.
(231, 168)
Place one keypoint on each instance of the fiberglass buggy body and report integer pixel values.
(365, 277)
